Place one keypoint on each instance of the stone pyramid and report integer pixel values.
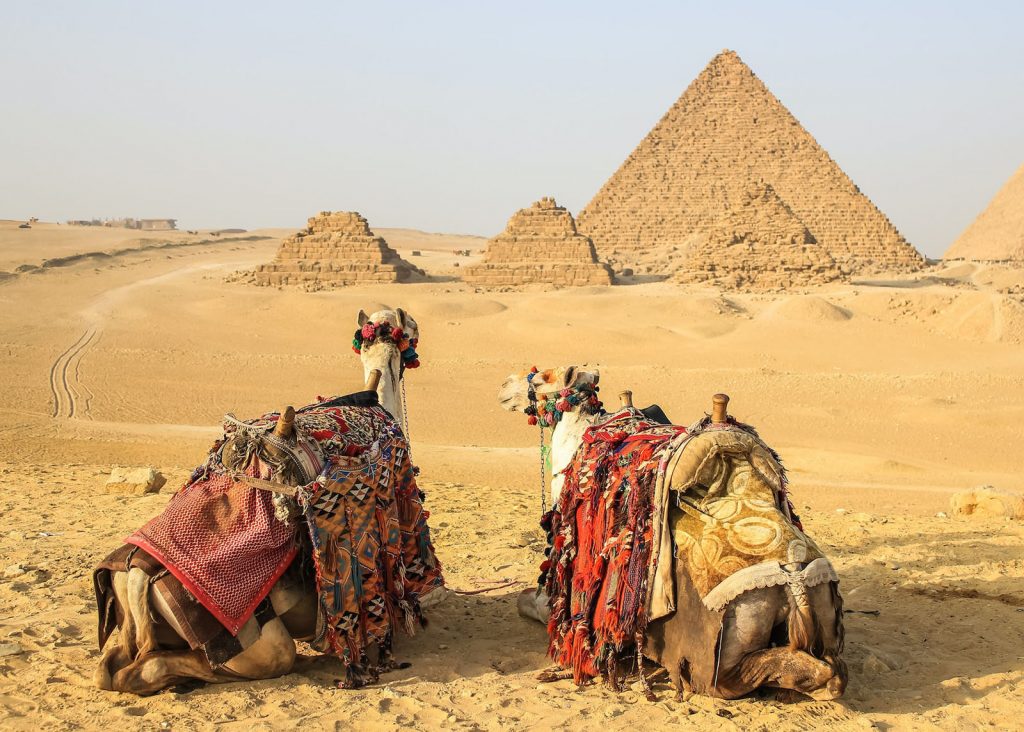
(539, 245)
(726, 132)
(998, 232)
(336, 249)
(757, 244)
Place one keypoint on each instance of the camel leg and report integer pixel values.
(120, 650)
(782, 668)
(138, 603)
(161, 669)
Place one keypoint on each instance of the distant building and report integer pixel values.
(128, 223)
(157, 224)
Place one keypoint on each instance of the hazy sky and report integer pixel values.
(448, 116)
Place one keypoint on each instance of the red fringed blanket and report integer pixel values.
(598, 567)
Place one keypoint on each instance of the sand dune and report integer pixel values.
(883, 400)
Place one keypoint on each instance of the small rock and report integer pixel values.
(10, 649)
(987, 501)
(134, 481)
(892, 565)
(15, 570)
(878, 662)
(941, 514)
(840, 510)
(442, 646)
(614, 711)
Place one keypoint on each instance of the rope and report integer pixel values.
(543, 487)
(507, 583)
(405, 419)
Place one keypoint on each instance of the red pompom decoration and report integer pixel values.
(397, 333)
(545, 565)
(531, 421)
(533, 369)
(356, 350)
(562, 405)
(414, 364)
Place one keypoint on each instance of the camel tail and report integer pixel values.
(802, 629)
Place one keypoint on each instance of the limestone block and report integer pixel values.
(987, 501)
(134, 481)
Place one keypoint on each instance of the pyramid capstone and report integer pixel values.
(539, 245)
(726, 133)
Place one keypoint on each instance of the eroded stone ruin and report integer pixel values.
(337, 248)
(758, 243)
(725, 134)
(539, 245)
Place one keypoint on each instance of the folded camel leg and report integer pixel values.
(782, 668)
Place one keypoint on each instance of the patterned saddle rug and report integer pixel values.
(617, 529)
(363, 511)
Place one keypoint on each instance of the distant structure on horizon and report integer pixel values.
(127, 223)
(540, 244)
(728, 155)
(337, 248)
(998, 232)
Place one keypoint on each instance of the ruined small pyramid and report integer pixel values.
(337, 248)
(539, 245)
(726, 132)
(998, 232)
(758, 243)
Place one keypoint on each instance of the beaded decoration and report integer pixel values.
(547, 409)
(384, 332)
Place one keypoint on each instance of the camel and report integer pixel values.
(150, 653)
(787, 635)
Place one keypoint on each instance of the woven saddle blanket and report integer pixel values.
(371, 548)
(221, 539)
(603, 535)
(619, 528)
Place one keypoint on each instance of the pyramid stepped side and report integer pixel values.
(336, 249)
(726, 131)
(759, 244)
(998, 232)
(539, 245)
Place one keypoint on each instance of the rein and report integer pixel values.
(547, 411)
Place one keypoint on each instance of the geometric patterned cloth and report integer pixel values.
(220, 538)
(602, 535)
(372, 549)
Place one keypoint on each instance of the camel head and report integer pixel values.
(525, 389)
(386, 340)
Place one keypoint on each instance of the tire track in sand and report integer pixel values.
(65, 382)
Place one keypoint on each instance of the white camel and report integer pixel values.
(149, 652)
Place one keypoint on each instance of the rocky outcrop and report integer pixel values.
(998, 232)
(539, 245)
(336, 249)
(726, 133)
(757, 244)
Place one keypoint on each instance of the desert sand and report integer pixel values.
(883, 396)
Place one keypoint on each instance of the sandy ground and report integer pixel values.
(883, 397)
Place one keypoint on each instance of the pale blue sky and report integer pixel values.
(448, 116)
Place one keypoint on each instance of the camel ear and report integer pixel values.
(362, 318)
(570, 375)
(401, 317)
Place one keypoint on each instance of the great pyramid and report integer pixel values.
(726, 133)
(998, 232)
(757, 244)
(539, 245)
(336, 249)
